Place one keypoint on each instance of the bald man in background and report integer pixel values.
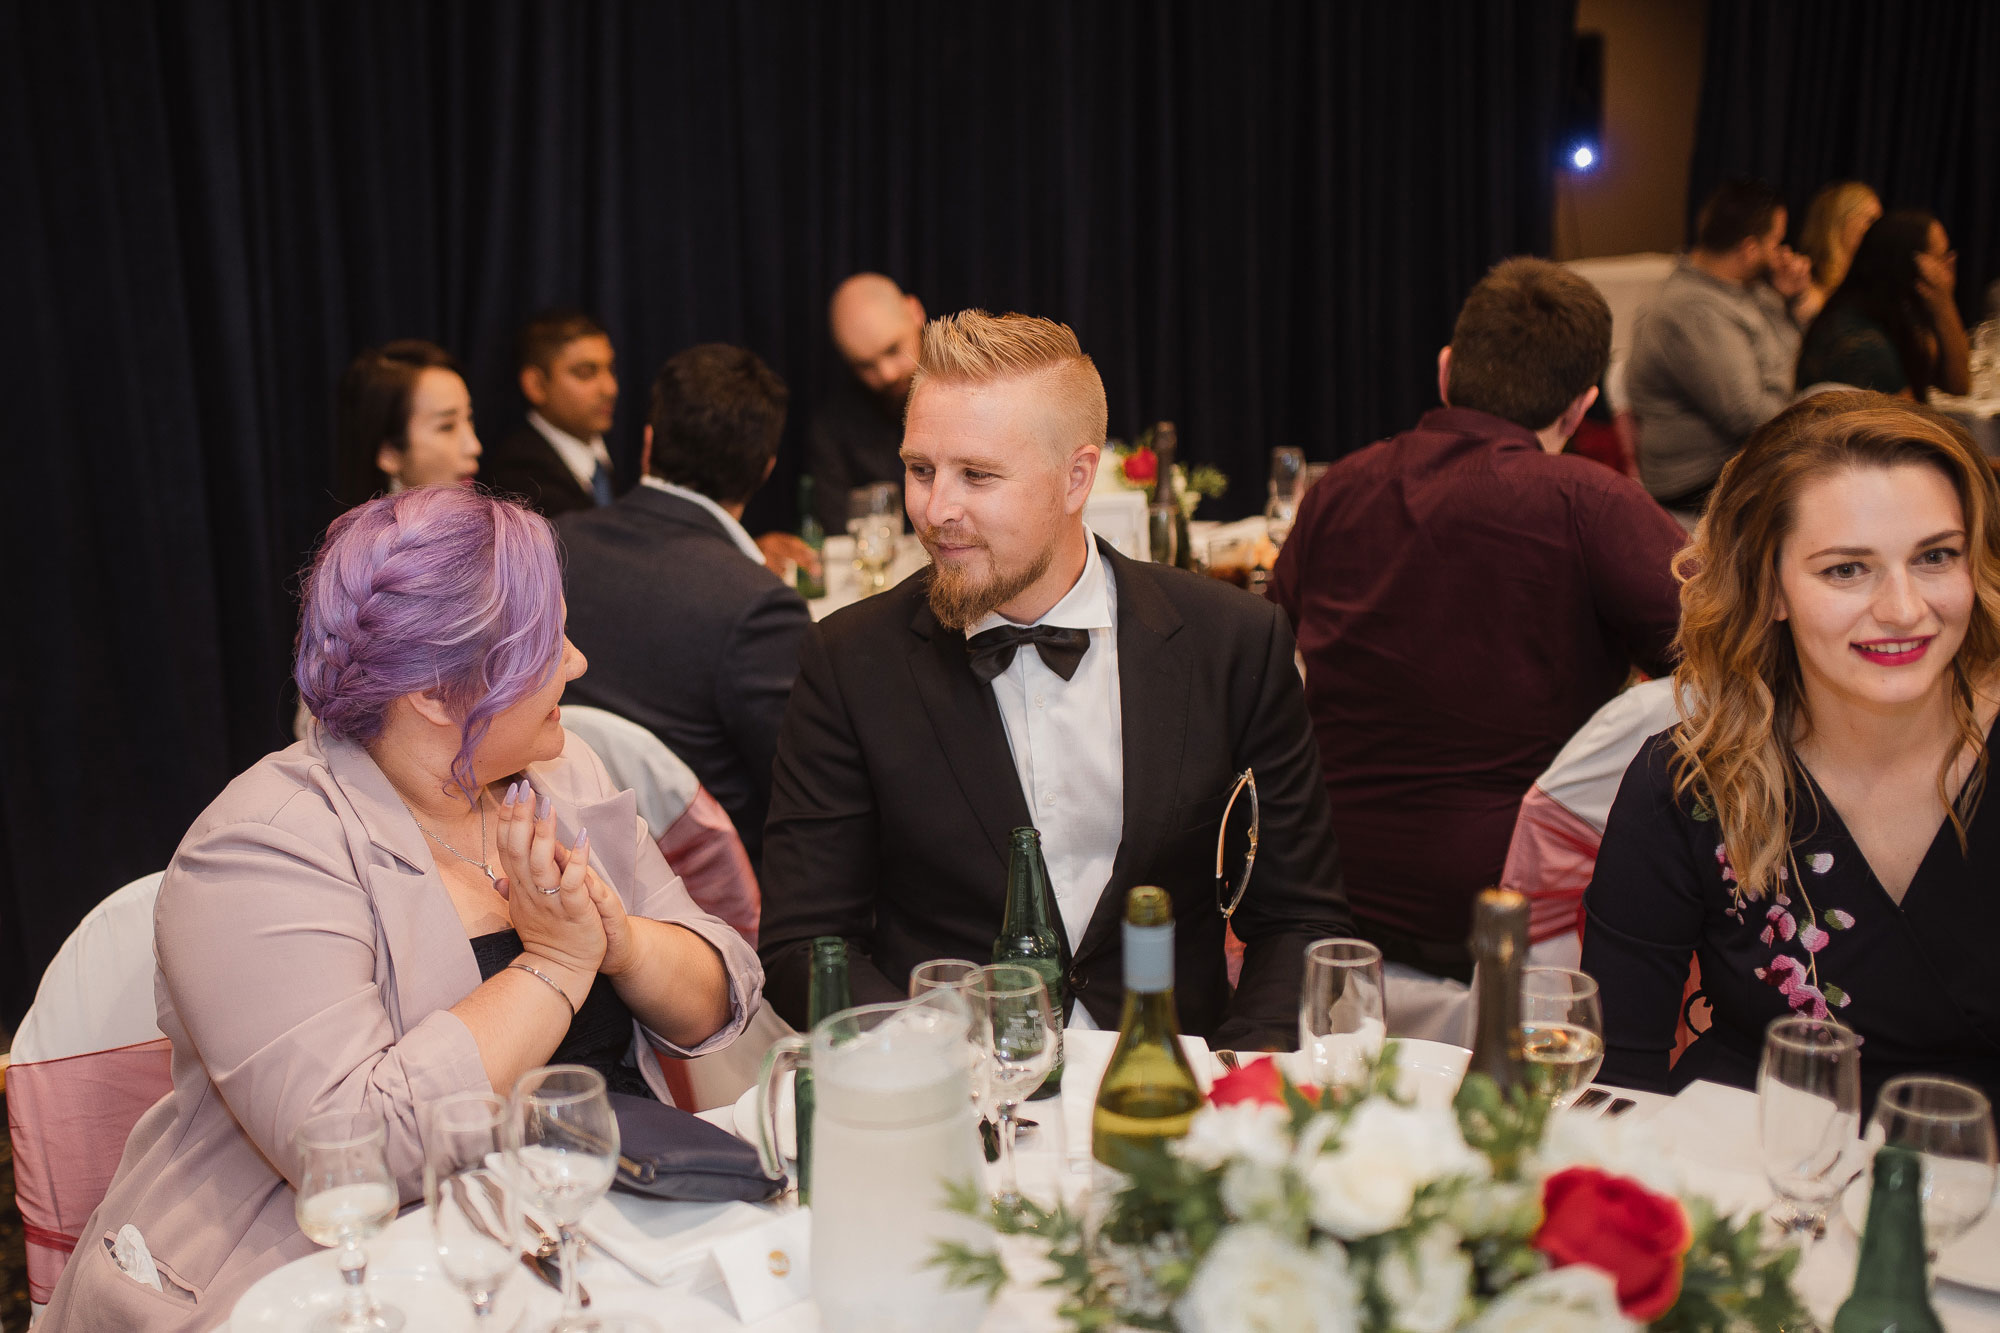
(858, 430)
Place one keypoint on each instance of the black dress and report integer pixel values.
(1917, 980)
(599, 1036)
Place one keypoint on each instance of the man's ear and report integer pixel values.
(534, 385)
(916, 309)
(1572, 416)
(646, 453)
(770, 464)
(1081, 476)
(390, 459)
(1444, 374)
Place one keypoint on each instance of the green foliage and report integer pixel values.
(1505, 1128)
(1731, 1282)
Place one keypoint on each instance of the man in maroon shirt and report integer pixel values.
(1464, 598)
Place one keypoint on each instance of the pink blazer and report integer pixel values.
(308, 956)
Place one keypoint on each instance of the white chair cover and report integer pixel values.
(636, 758)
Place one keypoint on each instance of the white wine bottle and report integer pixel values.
(1499, 947)
(1149, 1092)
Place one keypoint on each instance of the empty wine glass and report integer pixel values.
(875, 521)
(466, 1197)
(1808, 1114)
(1950, 1126)
(562, 1150)
(1342, 1019)
(1287, 487)
(1013, 1007)
(346, 1195)
(1562, 1032)
(953, 981)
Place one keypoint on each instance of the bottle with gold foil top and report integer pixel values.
(828, 994)
(1149, 1092)
(1032, 933)
(1890, 1294)
(1499, 947)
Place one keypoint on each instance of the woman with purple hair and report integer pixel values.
(433, 892)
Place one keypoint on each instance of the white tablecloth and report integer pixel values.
(1709, 1133)
(843, 581)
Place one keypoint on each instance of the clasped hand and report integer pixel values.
(561, 907)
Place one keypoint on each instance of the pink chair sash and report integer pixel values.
(705, 852)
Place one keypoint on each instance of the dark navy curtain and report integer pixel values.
(1901, 95)
(1259, 217)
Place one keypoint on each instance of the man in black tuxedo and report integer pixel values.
(688, 632)
(1034, 676)
(857, 430)
(556, 459)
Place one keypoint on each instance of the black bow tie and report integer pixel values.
(993, 650)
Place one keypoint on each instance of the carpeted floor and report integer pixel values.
(13, 1256)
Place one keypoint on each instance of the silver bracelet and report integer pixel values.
(554, 985)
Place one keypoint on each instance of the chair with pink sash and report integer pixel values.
(87, 1062)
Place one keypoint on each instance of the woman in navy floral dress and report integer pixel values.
(1815, 831)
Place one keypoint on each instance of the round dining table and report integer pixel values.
(1709, 1132)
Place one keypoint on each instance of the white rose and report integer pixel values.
(1576, 1299)
(1620, 1145)
(1253, 1191)
(1252, 1131)
(1254, 1280)
(1387, 1153)
(1497, 1208)
(1427, 1287)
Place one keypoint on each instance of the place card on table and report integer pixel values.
(768, 1267)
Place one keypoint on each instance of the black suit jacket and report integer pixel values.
(894, 792)
(524, 463)
(687, 637)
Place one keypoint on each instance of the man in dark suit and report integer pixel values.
(688, 633)
(857, 430)
(556, 460)
(1034, 676)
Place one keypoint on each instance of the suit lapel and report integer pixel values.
(1153, 684)
(966, 721)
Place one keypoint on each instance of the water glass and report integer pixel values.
(1342, 1018)
(1808, 1115)
(1013, 1007)
(467, 1198)
(1287, 488)
(346, 1195)
(1949, 1124)
(1562, 1032)
(875, 521)
(952, 981)
(562, 1150)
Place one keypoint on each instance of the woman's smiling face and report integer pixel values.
(1874, 585)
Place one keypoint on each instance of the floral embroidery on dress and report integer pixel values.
(1797, 980)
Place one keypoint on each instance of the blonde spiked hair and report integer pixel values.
(973, 347)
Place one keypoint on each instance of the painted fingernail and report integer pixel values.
(542, 808)
(512, 788)
(582, 844)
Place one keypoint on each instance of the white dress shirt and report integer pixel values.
(737, 532)
(581, 457)
(1068, 742)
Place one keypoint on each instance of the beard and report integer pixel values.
(960, 599)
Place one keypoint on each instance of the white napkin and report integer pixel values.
(134, 1260)
(677, 1238)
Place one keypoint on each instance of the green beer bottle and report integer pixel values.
(828, 995)
(1499, 946)
(1149, 1093)
(1032, 933)
(1890, 1294)
(810, 585)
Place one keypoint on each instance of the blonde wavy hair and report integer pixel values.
(1820, 238)
(1738, 683)
(973, 347)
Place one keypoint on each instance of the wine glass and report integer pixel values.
(1012, 1006)
(952, 981)
(1342, 1020)
(1288, 474)
(346, 1195)
(1950, 1125)
(1562, 1032)
(562, 1148)
(875, 523)
(1808, 1112)
(467, 1197)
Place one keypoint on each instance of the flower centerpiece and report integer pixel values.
(1137, 468)
(1290, 1211)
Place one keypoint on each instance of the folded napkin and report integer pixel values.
(667, 1153)
(675, 1241)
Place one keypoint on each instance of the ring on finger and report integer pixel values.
(549, 893)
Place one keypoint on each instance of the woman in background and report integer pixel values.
(1817, 832)
(1836, 220)
(403, 418)
(1893, 325)
(435, 891)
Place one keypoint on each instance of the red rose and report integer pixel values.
(1142, 466)
(1259, 1081)
(1617, 1225)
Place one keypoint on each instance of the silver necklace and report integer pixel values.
(484, 868)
